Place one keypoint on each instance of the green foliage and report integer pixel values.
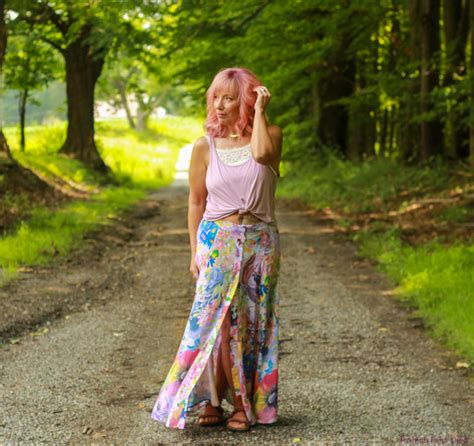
(101, 24)
(11, 200)
(140, 74)
(30, 63)
(280, 42)
(328, 181)
(333, 68)
(456, 214)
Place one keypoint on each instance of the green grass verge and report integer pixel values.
(435, 279)
(142, 161)
(47, 233)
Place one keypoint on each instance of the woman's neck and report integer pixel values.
(234, 133)
(225, 141)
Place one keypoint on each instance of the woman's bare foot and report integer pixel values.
(238, 421)
(211, 415)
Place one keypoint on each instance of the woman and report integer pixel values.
(230, 344)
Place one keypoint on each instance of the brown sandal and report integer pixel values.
(217, 418)
(246, 422)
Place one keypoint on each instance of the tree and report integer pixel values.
(431, 128)
(145, 80)
(83, 32)
(471, 134)
(4, 149)
(456, 30)
(114, 87)
(304, 51)
(11, 172)
(29, 65)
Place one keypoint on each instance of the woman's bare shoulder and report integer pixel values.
(201, 150)
(201, 145)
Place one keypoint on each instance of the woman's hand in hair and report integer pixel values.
(263, 98)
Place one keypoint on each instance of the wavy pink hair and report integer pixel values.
(242, 82)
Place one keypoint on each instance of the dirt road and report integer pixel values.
(353, 366)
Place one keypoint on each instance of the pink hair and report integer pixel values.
(242, 81)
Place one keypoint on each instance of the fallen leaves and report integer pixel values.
(461, 365)
(90, 431)
(41, 332)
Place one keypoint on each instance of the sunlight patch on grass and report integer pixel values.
(47, 234)
(146, 159)
(141, 161)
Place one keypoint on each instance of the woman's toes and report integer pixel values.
(238, 419)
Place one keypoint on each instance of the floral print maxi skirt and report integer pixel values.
(238, 272)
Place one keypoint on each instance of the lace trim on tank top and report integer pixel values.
(237, 156)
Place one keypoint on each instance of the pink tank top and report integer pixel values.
(248, 187)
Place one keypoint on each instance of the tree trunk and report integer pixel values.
(123, 98)
(387, 121)
(408, 132)
(4, 149)
(7, 163)
(471, 135)
(315, 103)
(142, 114)
(456, 28)
(22, 110)
(384, 123)
(361, 126)
(82, 72)
(431, 129)
(146, 107)
(334, 119)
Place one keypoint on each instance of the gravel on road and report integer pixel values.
(354, 367)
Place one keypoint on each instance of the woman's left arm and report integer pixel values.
(266, 141)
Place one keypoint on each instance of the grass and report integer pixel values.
(396, 214)
(138, 159)
(47, 232)
(147, 158)
(435, 280)
(141, 161)
(360, 187)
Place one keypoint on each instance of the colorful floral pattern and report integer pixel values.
(238, 272)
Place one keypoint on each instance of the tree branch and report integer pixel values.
(53, 44)
(254, 15)
(56, 20)
(33, 21)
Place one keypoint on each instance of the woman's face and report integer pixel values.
(226, 106)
